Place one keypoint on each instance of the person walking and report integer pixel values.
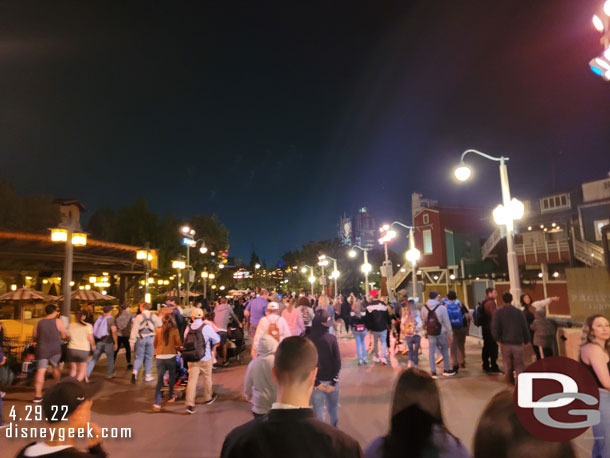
(142, 340)
(544, 331)
(80, 345)
(272, 324)
(529, 310)
(106, 341)
(47, 338)
(489, 354)
(460, 323)
(167, 342)
(357, 321)
(378, 320)
(510, 330)
(291, 428)
(416, 429)
(326, 386)
(259, 388)
(595, 355)
(222, 314)
(256, 310)
(199, 339)
(411, 327)
(304, 306)
(294, 318)
(438, 331)
(124, 321)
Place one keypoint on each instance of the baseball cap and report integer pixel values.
(322, 316)
(273, 306)
(433, 294)
(69, 393)
(374, 293)
(197, 313)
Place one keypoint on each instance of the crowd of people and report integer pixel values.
(293, 379)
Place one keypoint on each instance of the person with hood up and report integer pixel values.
(272, 324)
(326, 386)
(438, 331)
(259, 388)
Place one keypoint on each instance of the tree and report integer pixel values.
(103, 224)
(28, 214)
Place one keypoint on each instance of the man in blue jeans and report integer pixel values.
(326, 386)
(141, 340)
(378, 321)
(439, 332)
(106, 341)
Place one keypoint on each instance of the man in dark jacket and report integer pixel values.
(378, 320)
(326, 386)
(510, 330)
(291, 428)
(490, 347)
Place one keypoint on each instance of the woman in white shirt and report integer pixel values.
(80, 345)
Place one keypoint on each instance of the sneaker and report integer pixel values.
(384, 362)
(108, 377)
(149, 378)
(172, 399)
(449, 373)
(359, 362)
(37, 400)
(190, 409)
(434, 376)
(2, 394)
(211, 400)
(376, 359)
(130, 366)
(225, 364)
(133, 378)
(156, 407)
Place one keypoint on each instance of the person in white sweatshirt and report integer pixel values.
(259, 388)
(272, 324)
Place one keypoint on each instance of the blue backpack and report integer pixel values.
(455, 314)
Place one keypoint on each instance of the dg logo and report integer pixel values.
(557, 399)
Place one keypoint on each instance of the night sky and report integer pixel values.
(280, 116)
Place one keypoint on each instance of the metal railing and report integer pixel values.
(491, 243)
(589, 253)
(543, 249)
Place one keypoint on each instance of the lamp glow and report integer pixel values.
(607, 8)
(203, 249)
(204, 275)
(304, 269)
(141, 254)
(147, 298)
(352, 253)
(221, 266)
(312, 279)
(79, 239)
(185, 229)
(462, 172)
(212, 276)
(177, 264)
(413, 255)
(59, 235)
(257, 266)
(366, 268)
(335, 274)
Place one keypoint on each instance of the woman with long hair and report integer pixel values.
(500, 434)
(410, 325)
(293, 317)
(167, 342)
(417, 428)
(595, 355)
(80, 345)
(529, 310)
(358, 323)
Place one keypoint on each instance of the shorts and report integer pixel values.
(223, 337)
(44, 363)
(77, 356)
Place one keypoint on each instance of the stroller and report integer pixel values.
(182, 376)
(235, 341)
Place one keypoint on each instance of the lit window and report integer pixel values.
(599, 224)
(427, 241)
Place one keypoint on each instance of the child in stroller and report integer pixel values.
(235, 341)
(182, 376)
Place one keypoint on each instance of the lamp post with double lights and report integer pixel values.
(334, 274)
(71, 238)
(365, 267)
(504, 215)
(412, 254)
(323, 262)
(189, 241)
(312, 277)
(144, 255)
(179, 265)
(387, 235)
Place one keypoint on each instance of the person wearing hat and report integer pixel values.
(124, 320)
(67, 409)
(272, 323)
(326, 385)
(106, 341)
(204, 365)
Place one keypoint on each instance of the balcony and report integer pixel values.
(544, 252)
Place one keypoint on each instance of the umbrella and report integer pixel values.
(88, 295)
(26, 294)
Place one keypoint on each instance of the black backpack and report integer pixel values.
(433, 326)
(479, 316)
(194, 346)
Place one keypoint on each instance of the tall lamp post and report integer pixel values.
(334, 274)
(312, 277)
(412, 254)
(504, 215)
(71, 239)
(387, 235)
(365, 267)
(179, 265)
(189, 241)
(146, 257)
(205, 275)
(323, 262)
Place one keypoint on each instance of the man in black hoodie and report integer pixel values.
(326, 386)
(291, 428)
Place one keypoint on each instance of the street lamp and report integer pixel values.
(366, 267)
(146, 257)
(511, 210)
(312, 278)
(179, 265)
(189, 241)
(334, 274)
(412, 255)
(601, 65)
(387, 235)
(323, 262)
(205, 276)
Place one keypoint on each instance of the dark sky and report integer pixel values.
(280, 116)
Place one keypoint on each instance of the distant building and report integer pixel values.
(360, 229)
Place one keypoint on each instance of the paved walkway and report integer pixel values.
(364, 408)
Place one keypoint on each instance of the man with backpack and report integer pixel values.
(106, 341)
(438, 331)
(124, 320)
(142, 341)
(484, 314)
(460, 322)
(273, 324)
(199, 338)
